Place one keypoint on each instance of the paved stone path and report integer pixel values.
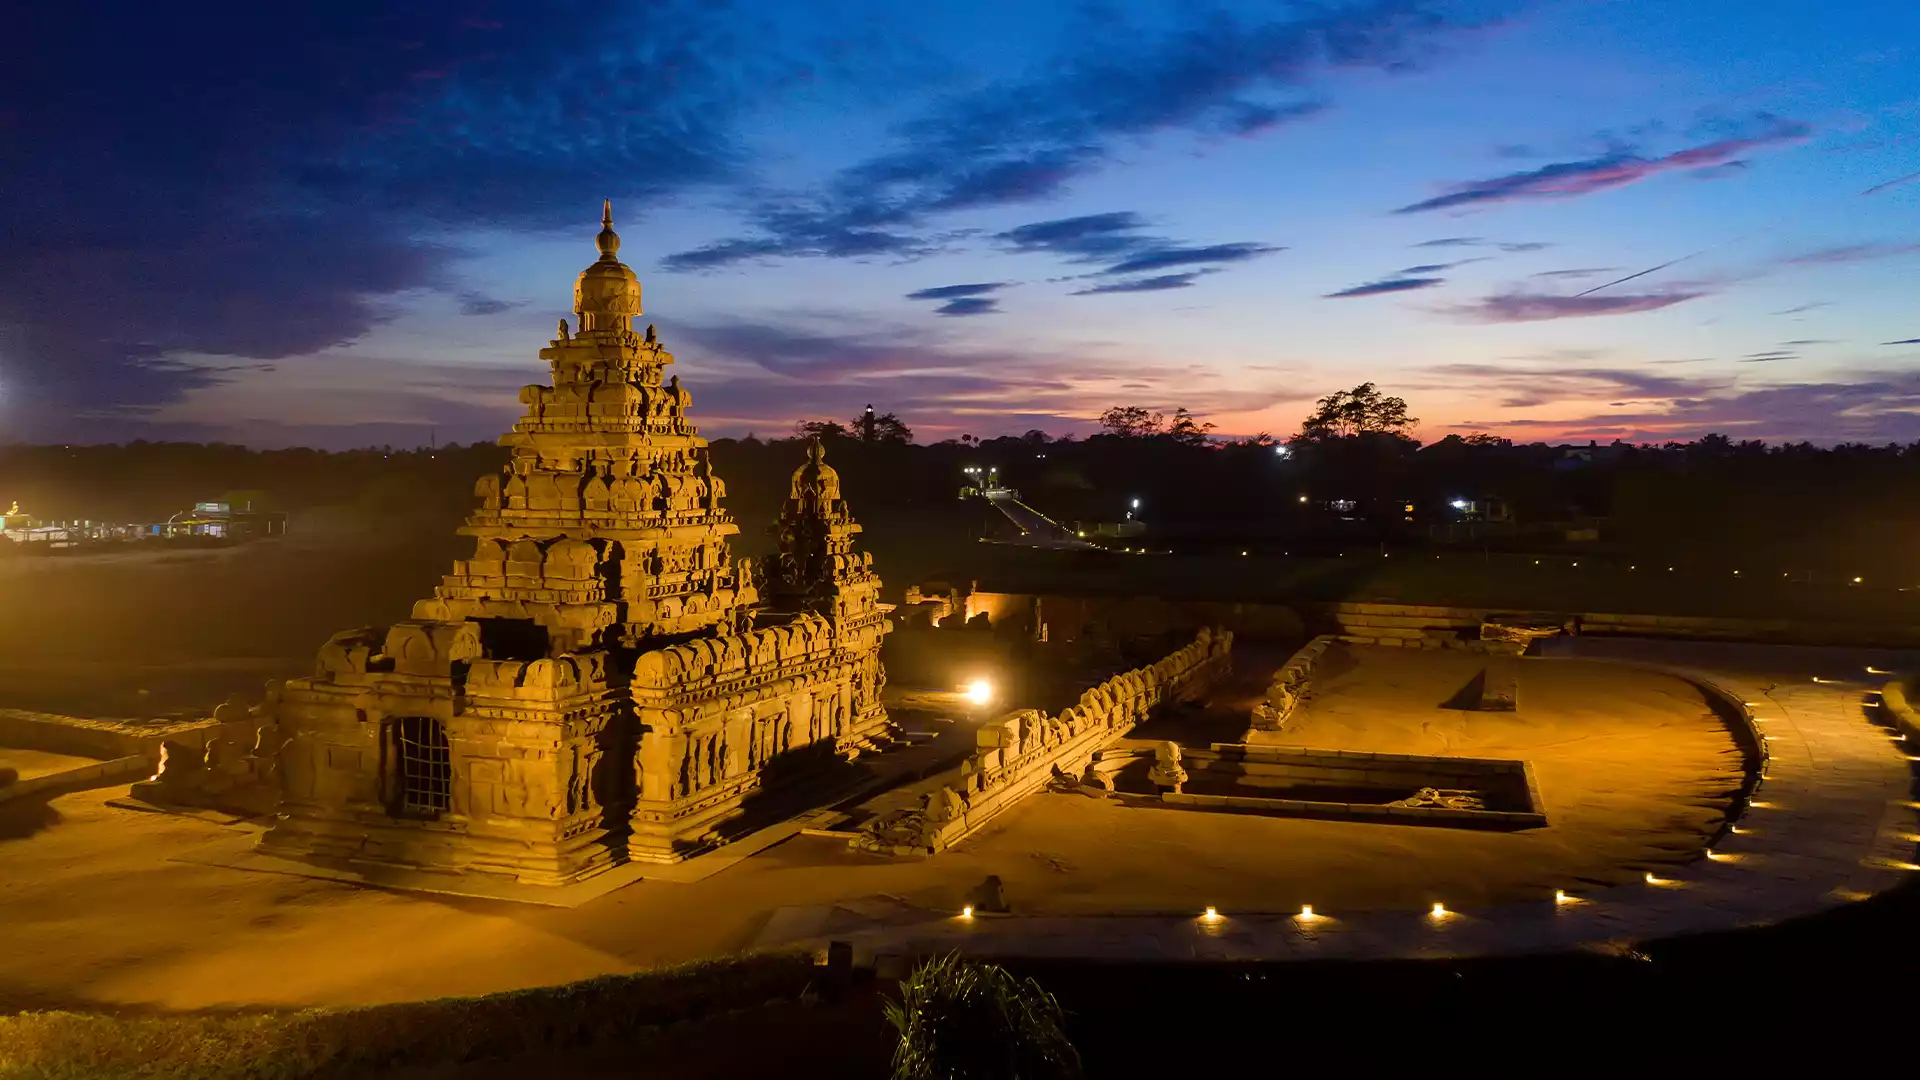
(1834, 821)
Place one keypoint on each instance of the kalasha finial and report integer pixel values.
(816, 453)
(608, 240)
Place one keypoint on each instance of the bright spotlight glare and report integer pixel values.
(1458, 504)
(979, 692)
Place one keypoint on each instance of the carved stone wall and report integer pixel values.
(1022, 752)
(1289, 685)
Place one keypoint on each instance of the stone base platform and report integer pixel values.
(240, 852)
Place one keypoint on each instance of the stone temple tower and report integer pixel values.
(596, 683)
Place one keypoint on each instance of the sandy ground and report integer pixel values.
(1628, 764)
(155, 633)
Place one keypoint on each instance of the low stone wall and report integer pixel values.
(1289, 685)
(115, 769)
(1402, 624)
(104, 739)
(1022, 752)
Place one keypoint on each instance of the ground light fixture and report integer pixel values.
(979, 692)
(1210, 914)
(1560, 897)
(1439, 911)
(967, 912)
(1306, 912)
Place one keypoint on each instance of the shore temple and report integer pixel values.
(601, 681)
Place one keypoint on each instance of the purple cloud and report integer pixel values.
(1386, 285)
(1536, 307)
(1569, 179)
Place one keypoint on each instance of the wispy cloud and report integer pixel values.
(472, 303)
(1864, 406)
(1160, 283)
(1568, 179)
(1028, 139)
(1848, 253)
(1120, 241)
(1799, 308)
(957, 300)
(949, 292)
(1579, 272)
(1538, 307)
(1386, 285)
(1903, 341)
(1164, 258)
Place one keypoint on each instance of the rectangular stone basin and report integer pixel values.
(1343, 784)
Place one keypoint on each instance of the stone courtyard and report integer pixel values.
(101, 910)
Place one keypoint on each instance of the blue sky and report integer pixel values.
(336, 225)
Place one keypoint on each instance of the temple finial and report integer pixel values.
(608, 241)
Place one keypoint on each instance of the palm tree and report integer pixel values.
(965, 1021)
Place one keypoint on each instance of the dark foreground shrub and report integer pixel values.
(338, 1042)
(968, 1021)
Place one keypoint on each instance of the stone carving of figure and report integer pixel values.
(564, 336)
(651, 339)
(1167, 772)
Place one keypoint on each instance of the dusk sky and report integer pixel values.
(339, 225)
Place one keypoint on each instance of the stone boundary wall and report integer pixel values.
(1386, 623)
(1289, 685)
(116, 769)
(1022, 752)
(104, 739)
(1068, 616)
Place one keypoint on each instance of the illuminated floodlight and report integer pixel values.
(979, 692)
(1458, 504)
(1871, 670)
(1303, 498)
(1306, 912)
(1856, 581)
(1210, 914)
(1243, 553)
(1439, 911)
(967, 912)
(1281, 451)
(1651, 880)
(1560, 897)
(1136, 504)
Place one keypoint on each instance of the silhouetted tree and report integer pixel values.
(1186, 430)
(1363, 410)
(880, 428)
(1132, 422)
(824, 430)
